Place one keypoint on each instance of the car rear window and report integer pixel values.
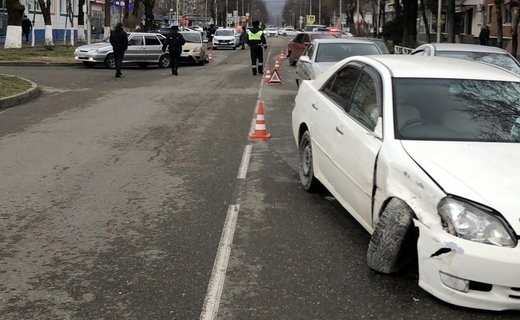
(191, 37)
(333, 52)
(502, 60)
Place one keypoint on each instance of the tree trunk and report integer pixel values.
(45, 8)
(126, 13)
(451, 21)
(13, 37)
(514, 33)
(409, 13)
(425, 20)
(106, 29)
(81, 22)
(498, 9)
(148, 13)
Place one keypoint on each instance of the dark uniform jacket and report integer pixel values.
(262, 40)
(26, 25)
(119, 40)
(174, 41)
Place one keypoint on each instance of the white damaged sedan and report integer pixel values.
(424, 152)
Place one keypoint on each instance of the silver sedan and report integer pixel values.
(143, 49)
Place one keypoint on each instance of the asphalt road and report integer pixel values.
(115, 193)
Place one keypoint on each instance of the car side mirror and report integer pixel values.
(205, 41)
(305, 59)
(378, 130)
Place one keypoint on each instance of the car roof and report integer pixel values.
(466, 47)
(343, 40)
(190, 31)
(408, 66)
(144, 33)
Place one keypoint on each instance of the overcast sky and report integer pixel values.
(275, 7)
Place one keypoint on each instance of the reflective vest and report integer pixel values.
(254, 36)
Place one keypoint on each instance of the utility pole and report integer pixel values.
(319, 11)
(340, 15)
(439, 9)
(89, 28)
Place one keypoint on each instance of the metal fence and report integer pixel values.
(402, 50)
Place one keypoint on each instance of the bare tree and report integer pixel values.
(15, 10)
(498, 10)
(81, 21)
(514, 33)
(148, 13)
(106, 29)
(410, 23)
(45, 7)
(451, 21)
(425, 20)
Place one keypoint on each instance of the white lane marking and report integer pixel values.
(244, 164)
(218, 275)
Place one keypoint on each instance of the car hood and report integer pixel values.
(320, 67)
(484, 172)
(98, 46)
(224, 37)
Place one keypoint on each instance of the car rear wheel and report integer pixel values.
(164, 61)
(110, 61)
(307, 178)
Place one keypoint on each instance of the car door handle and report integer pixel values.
(339, 130)
(314, 106)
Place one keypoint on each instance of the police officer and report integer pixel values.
(255, 40)
(174, 41)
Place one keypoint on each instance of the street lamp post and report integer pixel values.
(439, 8)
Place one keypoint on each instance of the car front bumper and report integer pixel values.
(194, 57)
(89, 57)
(492, 273)
(223, 45)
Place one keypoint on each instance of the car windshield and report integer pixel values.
(457, 110)
(334, 52)
(498, 59)
(192, 37)
(324, 36)
(225, 33)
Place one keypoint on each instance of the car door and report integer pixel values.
(303, 68)
(301, 46)
(153, 48)
(136, 50)
(356, 145)
(330, 104)
(294, 43)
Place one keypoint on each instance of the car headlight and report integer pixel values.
(93, 51)
(474, 222)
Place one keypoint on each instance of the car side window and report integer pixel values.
(305, 38)
(309, 52)
(135, 41)
(151, 41)
(298, 38)
(339, 88)
(365, 107)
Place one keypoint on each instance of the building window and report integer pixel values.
(489, 14)
(507, 14)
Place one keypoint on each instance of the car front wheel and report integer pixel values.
(110, 61)
(164, 61)
(307, 178)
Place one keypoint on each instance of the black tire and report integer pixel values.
(292, 63)
(306, 168)
(89, 64)
(285, 34)
(164, 61)
(110, 61)
(393, 244)
(143, 64)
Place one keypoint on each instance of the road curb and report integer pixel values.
(20, 98)
(37, 64)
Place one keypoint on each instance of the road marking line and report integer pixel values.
(218, 274)
(244, 164)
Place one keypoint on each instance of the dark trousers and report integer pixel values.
(26, 33)
(174, 60)
(257, 53)
(118, 57)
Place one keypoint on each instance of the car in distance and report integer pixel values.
(271, 32)
(487, 54)
(423, 152)
(195, 50)
(297, 46)
(322, 54)
(288, 32)
(143, 49)
(315, 27)
(225, 38)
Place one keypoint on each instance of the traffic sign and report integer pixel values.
(243, 18)
(311, 18)
(229, 20)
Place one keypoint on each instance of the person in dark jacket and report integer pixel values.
(256, 40)
(119, 42)
(174, 41)
(484, 35)
(243, 38)
(26, 27)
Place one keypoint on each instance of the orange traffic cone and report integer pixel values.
(276, 65)
(260, 131)
(210, 57)
(267, 74)
(282, 55)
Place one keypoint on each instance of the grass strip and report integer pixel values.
(12, 85)
(59, 54)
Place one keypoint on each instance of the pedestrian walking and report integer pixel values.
(243, 38)
(174, 41)
(256, 40)
(119, 42)
(484, 35)
(26, 27)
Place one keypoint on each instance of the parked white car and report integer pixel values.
(322, 54)
(225, 38)
(424, 153)
(487, 54)
(271, 32)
